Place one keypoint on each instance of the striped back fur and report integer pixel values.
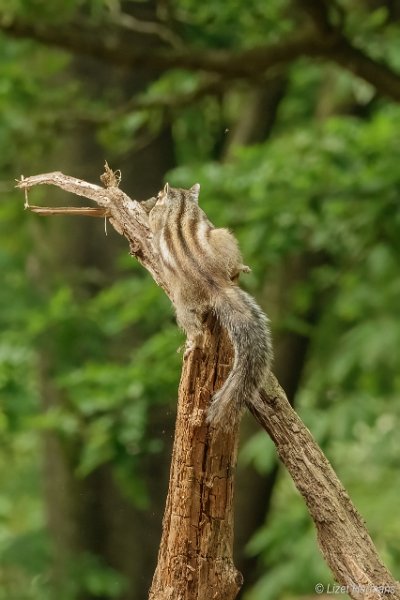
(201, 265)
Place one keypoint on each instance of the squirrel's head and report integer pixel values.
(169, 194)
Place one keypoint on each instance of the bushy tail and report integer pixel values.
(248, 330)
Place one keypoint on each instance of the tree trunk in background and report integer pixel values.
(260, 108)
(91, 515)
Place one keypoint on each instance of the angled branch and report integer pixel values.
(105, 43)
(127, 216)
(127, 21)
(343, 538)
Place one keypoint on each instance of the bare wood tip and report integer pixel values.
(27, 182)
(110, 178)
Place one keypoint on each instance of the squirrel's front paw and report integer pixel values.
(191, 345)
(244, 269)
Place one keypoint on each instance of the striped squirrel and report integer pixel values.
(201, 265)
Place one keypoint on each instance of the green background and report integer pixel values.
(301, 162)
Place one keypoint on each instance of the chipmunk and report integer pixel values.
(201, 265)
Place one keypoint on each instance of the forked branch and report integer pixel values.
(195, 557)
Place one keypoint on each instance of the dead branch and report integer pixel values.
(195, 557)
(342, 535)
(127, 216)
(84, 211)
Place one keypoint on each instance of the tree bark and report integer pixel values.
(343, 538)
(195, 557)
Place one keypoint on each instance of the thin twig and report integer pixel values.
(127, 216)
(84, 211)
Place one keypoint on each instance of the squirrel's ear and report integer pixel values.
(166, 189)
(194, 192)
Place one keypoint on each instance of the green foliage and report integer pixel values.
(92, 576)
(258, 451)
(24, 547)
(97, 351)
(290, 565)
(54, 12)
(216, 24)
(106, 397)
